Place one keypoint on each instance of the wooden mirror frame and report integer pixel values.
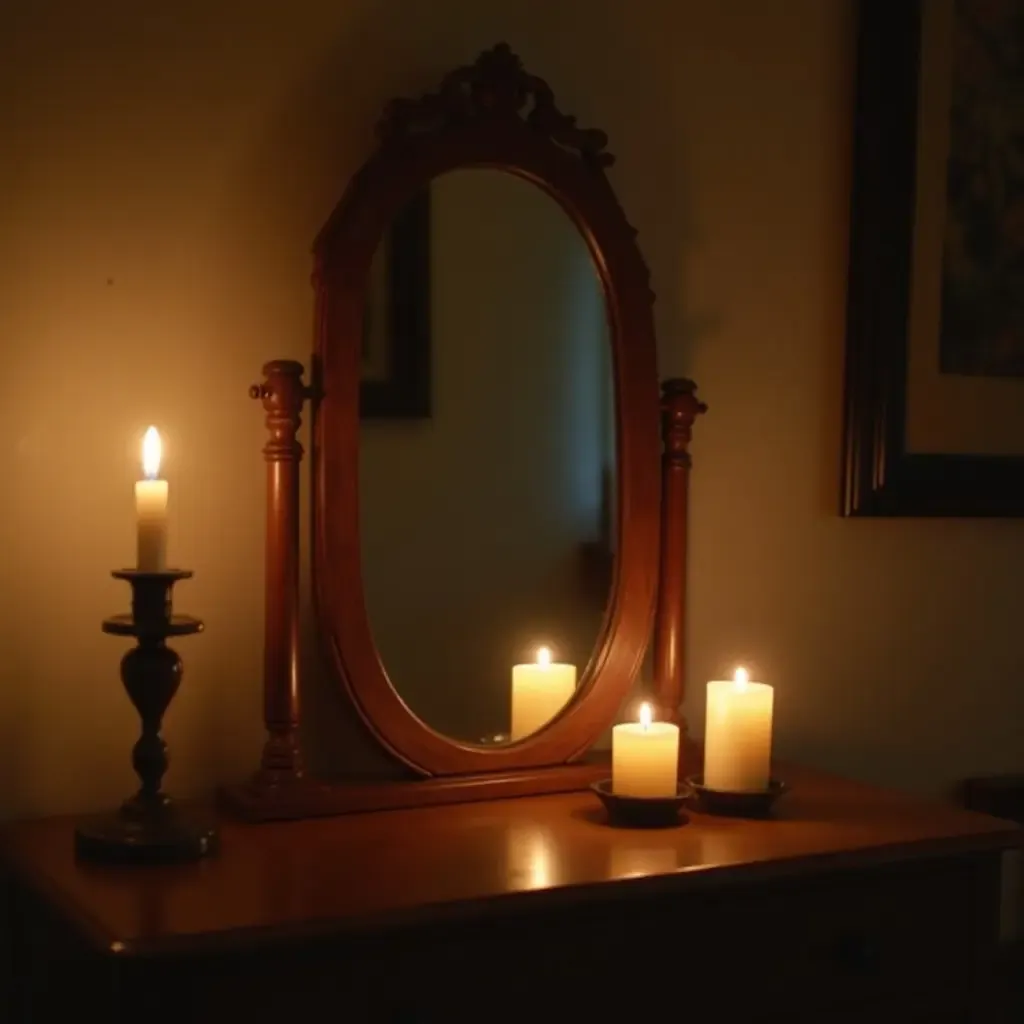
(491, 114)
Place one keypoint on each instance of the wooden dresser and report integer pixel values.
(855, 904)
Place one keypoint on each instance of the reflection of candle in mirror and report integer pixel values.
(539, 692)
(151, 508)
(738, 734)
(645, 757)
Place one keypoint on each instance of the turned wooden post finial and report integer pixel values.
(283, 394)
(680, 408)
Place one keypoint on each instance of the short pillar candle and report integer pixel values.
(738, 735)
(645, 757)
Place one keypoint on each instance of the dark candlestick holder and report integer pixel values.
(642, 811)
(149, 827)
(736, 804)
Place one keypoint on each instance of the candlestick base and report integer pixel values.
(162, 836)
(148, 827)
(642, 811)
(735, 805)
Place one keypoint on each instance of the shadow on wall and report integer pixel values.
(609, 63)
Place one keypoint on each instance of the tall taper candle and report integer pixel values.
(151, 508)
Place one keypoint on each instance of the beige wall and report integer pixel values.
(164, 169)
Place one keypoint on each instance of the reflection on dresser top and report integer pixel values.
(286, 879)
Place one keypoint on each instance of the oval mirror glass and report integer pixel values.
(486, 519)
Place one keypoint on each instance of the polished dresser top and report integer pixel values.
(287, 879)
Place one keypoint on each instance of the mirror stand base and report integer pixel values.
(318, 798)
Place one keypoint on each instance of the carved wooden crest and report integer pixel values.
(495, 86)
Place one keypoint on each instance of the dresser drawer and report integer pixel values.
(911, 936)
(902, 943)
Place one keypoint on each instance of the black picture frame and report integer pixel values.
(880, 476)
(406, 391)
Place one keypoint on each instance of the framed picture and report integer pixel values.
(934, 403)
(395, 366)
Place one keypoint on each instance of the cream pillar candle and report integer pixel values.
(151, 508)
(539, 692)
(738, 735)
(645, 757)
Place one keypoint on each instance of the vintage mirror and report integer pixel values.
(487, 518)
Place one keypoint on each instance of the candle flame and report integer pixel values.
(645, 715)
(151, 452)
(543, 656)
(741, 677)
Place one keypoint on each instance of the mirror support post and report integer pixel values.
(680, 407)
(283, 394)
